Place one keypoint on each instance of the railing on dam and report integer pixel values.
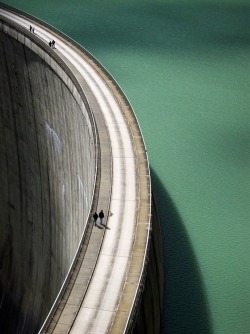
(145, 202)
(22, 34)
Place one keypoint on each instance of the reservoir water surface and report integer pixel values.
(185, 67)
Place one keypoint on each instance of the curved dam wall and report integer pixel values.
(47, 177)
(147, 309)
(48, 160)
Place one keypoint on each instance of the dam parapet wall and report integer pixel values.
(48, 172)
(140, 299)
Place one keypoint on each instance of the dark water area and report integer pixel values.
(184, 286)
(185, 67)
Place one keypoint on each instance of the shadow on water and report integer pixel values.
(172, 28)
(185, 308)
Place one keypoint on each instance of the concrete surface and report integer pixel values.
(47, 180)
(104, 291)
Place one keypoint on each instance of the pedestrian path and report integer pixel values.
(112, 258)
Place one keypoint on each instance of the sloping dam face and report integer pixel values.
(47, 175)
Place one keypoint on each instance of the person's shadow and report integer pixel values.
(99, 226)
(106, 226)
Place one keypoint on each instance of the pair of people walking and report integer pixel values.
(32, 29)
(52, 44)
(101, 216)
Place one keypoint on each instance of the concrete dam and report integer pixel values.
(71, 145)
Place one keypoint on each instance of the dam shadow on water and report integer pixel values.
(186, 307)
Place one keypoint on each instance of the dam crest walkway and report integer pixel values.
(102, 288)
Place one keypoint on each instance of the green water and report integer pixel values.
(185, 67)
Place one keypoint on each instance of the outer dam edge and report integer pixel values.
(150, 284)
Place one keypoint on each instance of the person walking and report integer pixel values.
(95, 216)
(53, 44)
(30, 28)
(101, 216)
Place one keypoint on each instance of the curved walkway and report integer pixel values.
(104, 284)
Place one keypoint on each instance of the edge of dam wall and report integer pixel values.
(147, 302)
(55, 174)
